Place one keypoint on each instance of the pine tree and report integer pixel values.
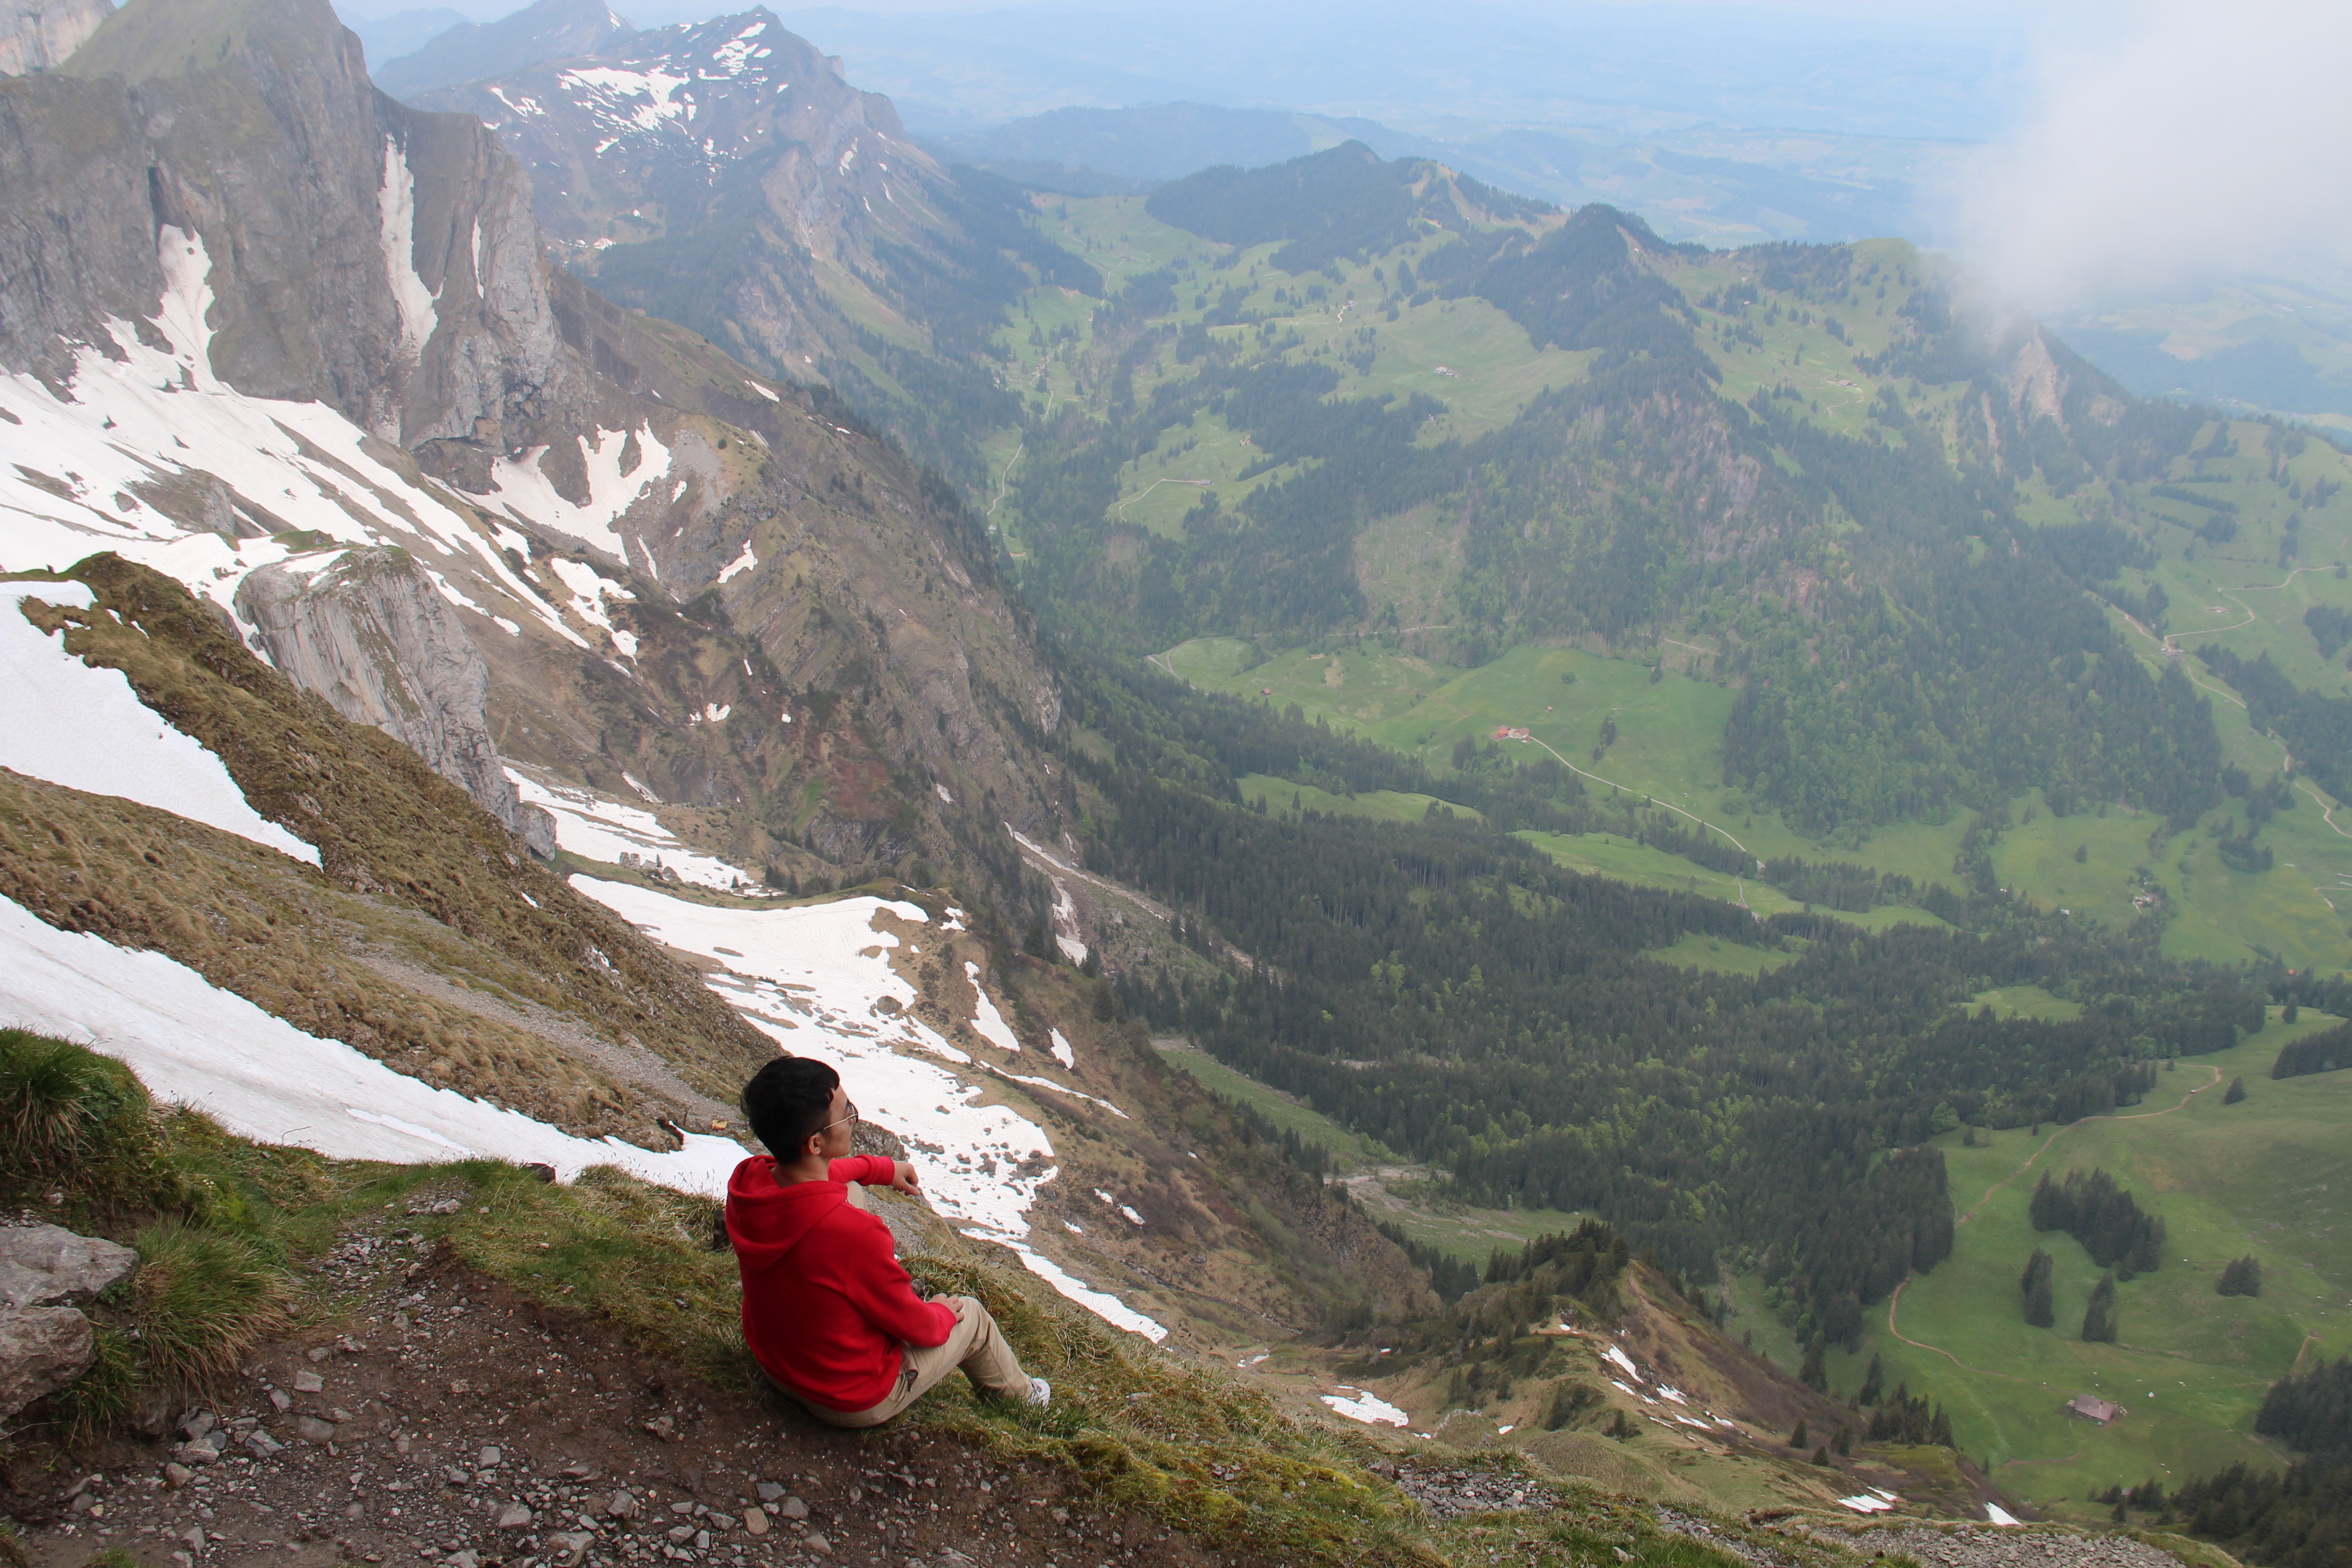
(1797, 1439)
(1873, 1382)
(1814, 1374)
(2036, 1287)
(1843, 1441)
(1821, 1457)
(2099, 1319)
(2242, 1277)
(2235, 1092)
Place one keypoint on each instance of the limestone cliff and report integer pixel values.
(369, 633)
(35, 35)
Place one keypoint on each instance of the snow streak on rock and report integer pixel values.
(598, 827)
(66, 722)
(818, 980)
(410, 297)
(262, 1079)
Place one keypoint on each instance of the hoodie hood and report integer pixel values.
(765, 1220)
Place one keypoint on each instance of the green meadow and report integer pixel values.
(2190, 1366)
(1668, 748)
(1380, 804)
(1391, 1189)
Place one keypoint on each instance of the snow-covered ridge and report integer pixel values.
(70, 724)
(262, 1079)
(152, 456)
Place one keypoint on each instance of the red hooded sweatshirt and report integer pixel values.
(826, 1305)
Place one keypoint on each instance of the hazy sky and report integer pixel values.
(2198, 139)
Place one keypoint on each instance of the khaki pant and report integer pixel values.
(976, 1344)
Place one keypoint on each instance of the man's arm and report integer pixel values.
(873, 1170)
(881, 1290)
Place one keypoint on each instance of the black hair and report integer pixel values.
(786, 1103)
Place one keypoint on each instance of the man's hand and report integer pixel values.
(904, 1180)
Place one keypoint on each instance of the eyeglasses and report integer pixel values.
(851, 1119)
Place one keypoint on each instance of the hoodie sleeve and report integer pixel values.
(882, 1292)
(867, 1169)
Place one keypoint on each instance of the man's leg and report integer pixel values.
(975, 1343)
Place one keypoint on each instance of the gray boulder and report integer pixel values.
(42, 1349)
(373, 637)
(47, 1266)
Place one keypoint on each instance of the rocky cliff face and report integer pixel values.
(280, 313)
(384, 261)
(369, 634)
(35, 35)
(734, 121)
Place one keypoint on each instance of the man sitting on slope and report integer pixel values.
(829, 1314)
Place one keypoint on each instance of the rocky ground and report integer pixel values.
(2009, 1548)
(447, 1420)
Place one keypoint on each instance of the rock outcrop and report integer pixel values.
(49, 1266)
(45, 1343)
(370, 633)
(35, 35)
(356, 252)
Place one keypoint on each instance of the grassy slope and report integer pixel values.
(2190, 1364)
(1390, 1188)
(1669, 735)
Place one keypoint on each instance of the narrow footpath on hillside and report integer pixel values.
(448, 1419)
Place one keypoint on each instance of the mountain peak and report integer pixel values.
(152, 40)
(548, 30)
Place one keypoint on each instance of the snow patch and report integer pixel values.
(1102, 1303)
(1369, 1408)
(1864, 1503)
(641, 100)
(1615, 1353)
(1998, 1515)
(262, 1079)
(740, 565)
(1060, 1089)
(1061, 1050)
(598, 827)
(986, 1020)
(85, 728)
(396, 203)
(524, 490)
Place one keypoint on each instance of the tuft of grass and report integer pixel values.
(202, 1298)
(67, 1111)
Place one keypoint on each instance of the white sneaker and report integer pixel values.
(1041, 1393)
